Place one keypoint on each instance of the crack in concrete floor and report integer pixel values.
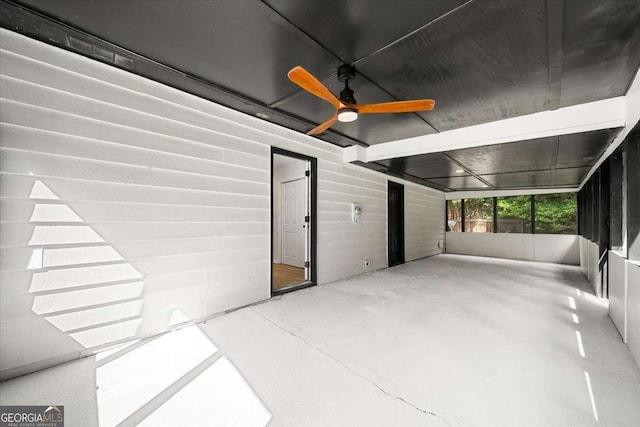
(359, 375)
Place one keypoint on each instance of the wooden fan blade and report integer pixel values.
(397, 106)
(308, 82)
(324, 126)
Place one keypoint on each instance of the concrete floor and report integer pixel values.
(444, 341)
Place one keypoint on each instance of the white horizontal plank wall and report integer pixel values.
(343, 245)
(129, 206)
(424, 222)
(554, 248)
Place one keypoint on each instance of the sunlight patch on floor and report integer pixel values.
(130, 381)
(218, 397)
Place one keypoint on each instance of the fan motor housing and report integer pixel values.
(346, 96)
(346, 73)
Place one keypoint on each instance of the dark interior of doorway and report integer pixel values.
(395, 227)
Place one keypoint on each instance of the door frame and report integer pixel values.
(313, 201)
(400, 187)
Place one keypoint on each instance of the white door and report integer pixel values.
(293, 225)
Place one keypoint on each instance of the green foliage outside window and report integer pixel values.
(514, 214)
(556, 213)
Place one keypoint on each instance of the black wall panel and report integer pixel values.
(633, 195)
(615, 200)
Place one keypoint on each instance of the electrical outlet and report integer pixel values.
(367, 263)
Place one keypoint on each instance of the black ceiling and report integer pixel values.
(557, 161)
(480, 60)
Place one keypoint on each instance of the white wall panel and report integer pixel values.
(109, 181)
(584, 255)
(618, 292)
(633, 309)
(589, 263)
(557, 248)
(424, 222)
(499, 245)
(592, 266)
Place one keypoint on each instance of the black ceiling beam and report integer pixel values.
(536, 170)
(378, 167)
(394, 97)
(298, 91)
(342, 135)
(406, 36)
(475, 175)
(415, 179)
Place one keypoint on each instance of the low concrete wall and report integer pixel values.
(589, 260)
(633, 309)
(556, 248)
(584, 256)
(618, 292)
(624, 300)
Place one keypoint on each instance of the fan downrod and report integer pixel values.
(346, 73)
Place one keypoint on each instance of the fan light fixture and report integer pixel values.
(347, 115)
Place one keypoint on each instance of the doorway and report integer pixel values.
(293, 236)
(395, 225)
(293, 211)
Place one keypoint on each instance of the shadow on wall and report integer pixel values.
(84, 287)
(90, 292)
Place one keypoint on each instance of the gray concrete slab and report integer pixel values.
(445, 341)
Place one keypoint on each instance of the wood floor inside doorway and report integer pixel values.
(286, 275)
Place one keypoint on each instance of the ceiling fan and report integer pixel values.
(347, 109)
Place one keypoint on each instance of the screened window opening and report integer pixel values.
(454, 215)
(556, 213)
(514, 214)
(478, 215)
